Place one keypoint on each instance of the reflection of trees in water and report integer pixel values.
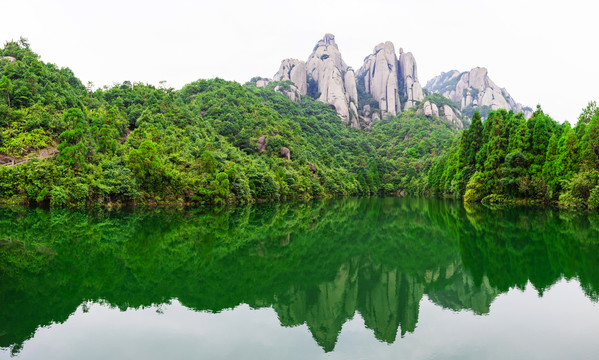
(316, 263)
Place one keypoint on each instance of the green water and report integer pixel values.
(355, 278)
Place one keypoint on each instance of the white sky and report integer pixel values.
(542, 52)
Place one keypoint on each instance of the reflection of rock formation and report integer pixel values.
(387, 299)
(324, 308)
(390, 300)
(463, 294)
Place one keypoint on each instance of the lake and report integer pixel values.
(367, 278)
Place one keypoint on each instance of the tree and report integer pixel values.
(475, 136)
(6, 88)
(512, 172)
(550, 166)
(72, 148)
(567, 150)
(590, 143)
(519, 134)
(540, 140)
(146, 163)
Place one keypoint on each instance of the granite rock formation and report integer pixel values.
(390, 80)
(381, 78)
(444, 111)
(409, 77)
(474, 89)
(294, 71)
(336, 81)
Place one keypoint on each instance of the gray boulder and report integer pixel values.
(262, 142)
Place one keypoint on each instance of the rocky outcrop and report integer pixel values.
(380, 74)
(391, 81)
(285, 153)
(263, 82)
(429, 109)
(444, 111)
(336, 81)
(294, 71)
(291, 91)
(474, 89)
(451, 116)
(409, 78)
(8, 58)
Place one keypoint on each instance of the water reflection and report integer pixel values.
(315, 264)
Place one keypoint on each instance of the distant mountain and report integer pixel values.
(473, 90)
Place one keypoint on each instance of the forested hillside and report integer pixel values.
(216, 142)
(510, 159)
(212, 142)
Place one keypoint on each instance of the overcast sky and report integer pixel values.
(542, 52)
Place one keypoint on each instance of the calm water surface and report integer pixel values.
(349, 279)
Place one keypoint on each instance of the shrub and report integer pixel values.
(58, 196)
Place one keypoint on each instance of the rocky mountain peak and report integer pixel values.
(336, 81)
(329, 39)
(473, 90)
(380, 75)
(390, 80)
(409, 75)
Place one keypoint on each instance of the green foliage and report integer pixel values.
(475, 189)
(72, 148)
(535, 160)
(6, 88)
(148, 166)
(135, 143)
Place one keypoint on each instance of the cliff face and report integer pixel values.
(474, 89)
(380, 73)
(392, 81)
(336, 81)
(409, 75)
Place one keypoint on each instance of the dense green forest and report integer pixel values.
(135, 143)
(510, 159)
(215, 142)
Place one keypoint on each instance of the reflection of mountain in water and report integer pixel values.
(387, 299)
(315, 263)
